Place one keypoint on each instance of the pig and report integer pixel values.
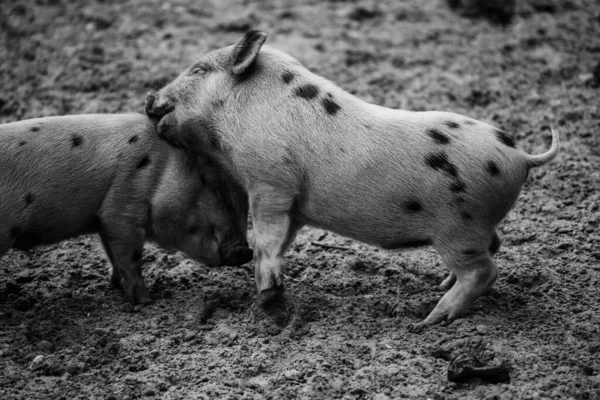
(111, 174)
(309, 153)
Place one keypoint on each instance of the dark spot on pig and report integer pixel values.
(290, 157)
(452, 124)
(29, 198)
(214, 139)
(495, 245)
(504, 138)
(438, 136)
(492, 168)
(330, 106)
(144, 162)
(466, 215)
(22, 143)
(193, 229)
(288, 76)
(439, 161)
(308, 91)
(134, 139)
(458, 186)
(470, 122)
(412, 206)
(35, 128)
(136, 256)
(471, 252)
(14, 232)
(76, 140)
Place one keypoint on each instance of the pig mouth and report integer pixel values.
(165, 123)
(237, 256)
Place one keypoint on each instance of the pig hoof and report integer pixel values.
(417, 328)
(277, 307)
(271, 297)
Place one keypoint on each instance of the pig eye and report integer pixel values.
(199, 70)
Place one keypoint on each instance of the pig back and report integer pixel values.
(56, 171)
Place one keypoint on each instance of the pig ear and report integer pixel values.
(246, 50)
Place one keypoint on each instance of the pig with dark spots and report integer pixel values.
(112, 175)
(310, 153)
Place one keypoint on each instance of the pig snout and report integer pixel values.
(236, 255)
(156, 106)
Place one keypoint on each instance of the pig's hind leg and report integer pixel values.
(471, 263)
(493, 249)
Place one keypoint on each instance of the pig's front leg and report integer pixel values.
(123, 217)
(273, 230)
(125, 254)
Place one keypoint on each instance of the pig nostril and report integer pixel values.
(149, 102)
(156, 111)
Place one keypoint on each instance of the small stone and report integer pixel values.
(391, 370)
(102, 331)
(22, 304)
(291, 374)
(380, 396)
(25, 276)
(36, 363)
(483, 329)
(149, 392)
(130, 379)
(45, 346)
(259, 382)
(189, 336)
(233, 336)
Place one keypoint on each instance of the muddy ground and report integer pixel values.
(66, 334)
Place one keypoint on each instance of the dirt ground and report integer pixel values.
(66, 334)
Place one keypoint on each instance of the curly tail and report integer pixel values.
(541, 159)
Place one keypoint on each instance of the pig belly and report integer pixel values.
(368, 215)
(46, 208)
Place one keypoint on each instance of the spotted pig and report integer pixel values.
(112, 174)
(310, 153)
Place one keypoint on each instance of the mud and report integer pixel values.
(66, 334)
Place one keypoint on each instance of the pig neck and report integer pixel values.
(164, 218)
